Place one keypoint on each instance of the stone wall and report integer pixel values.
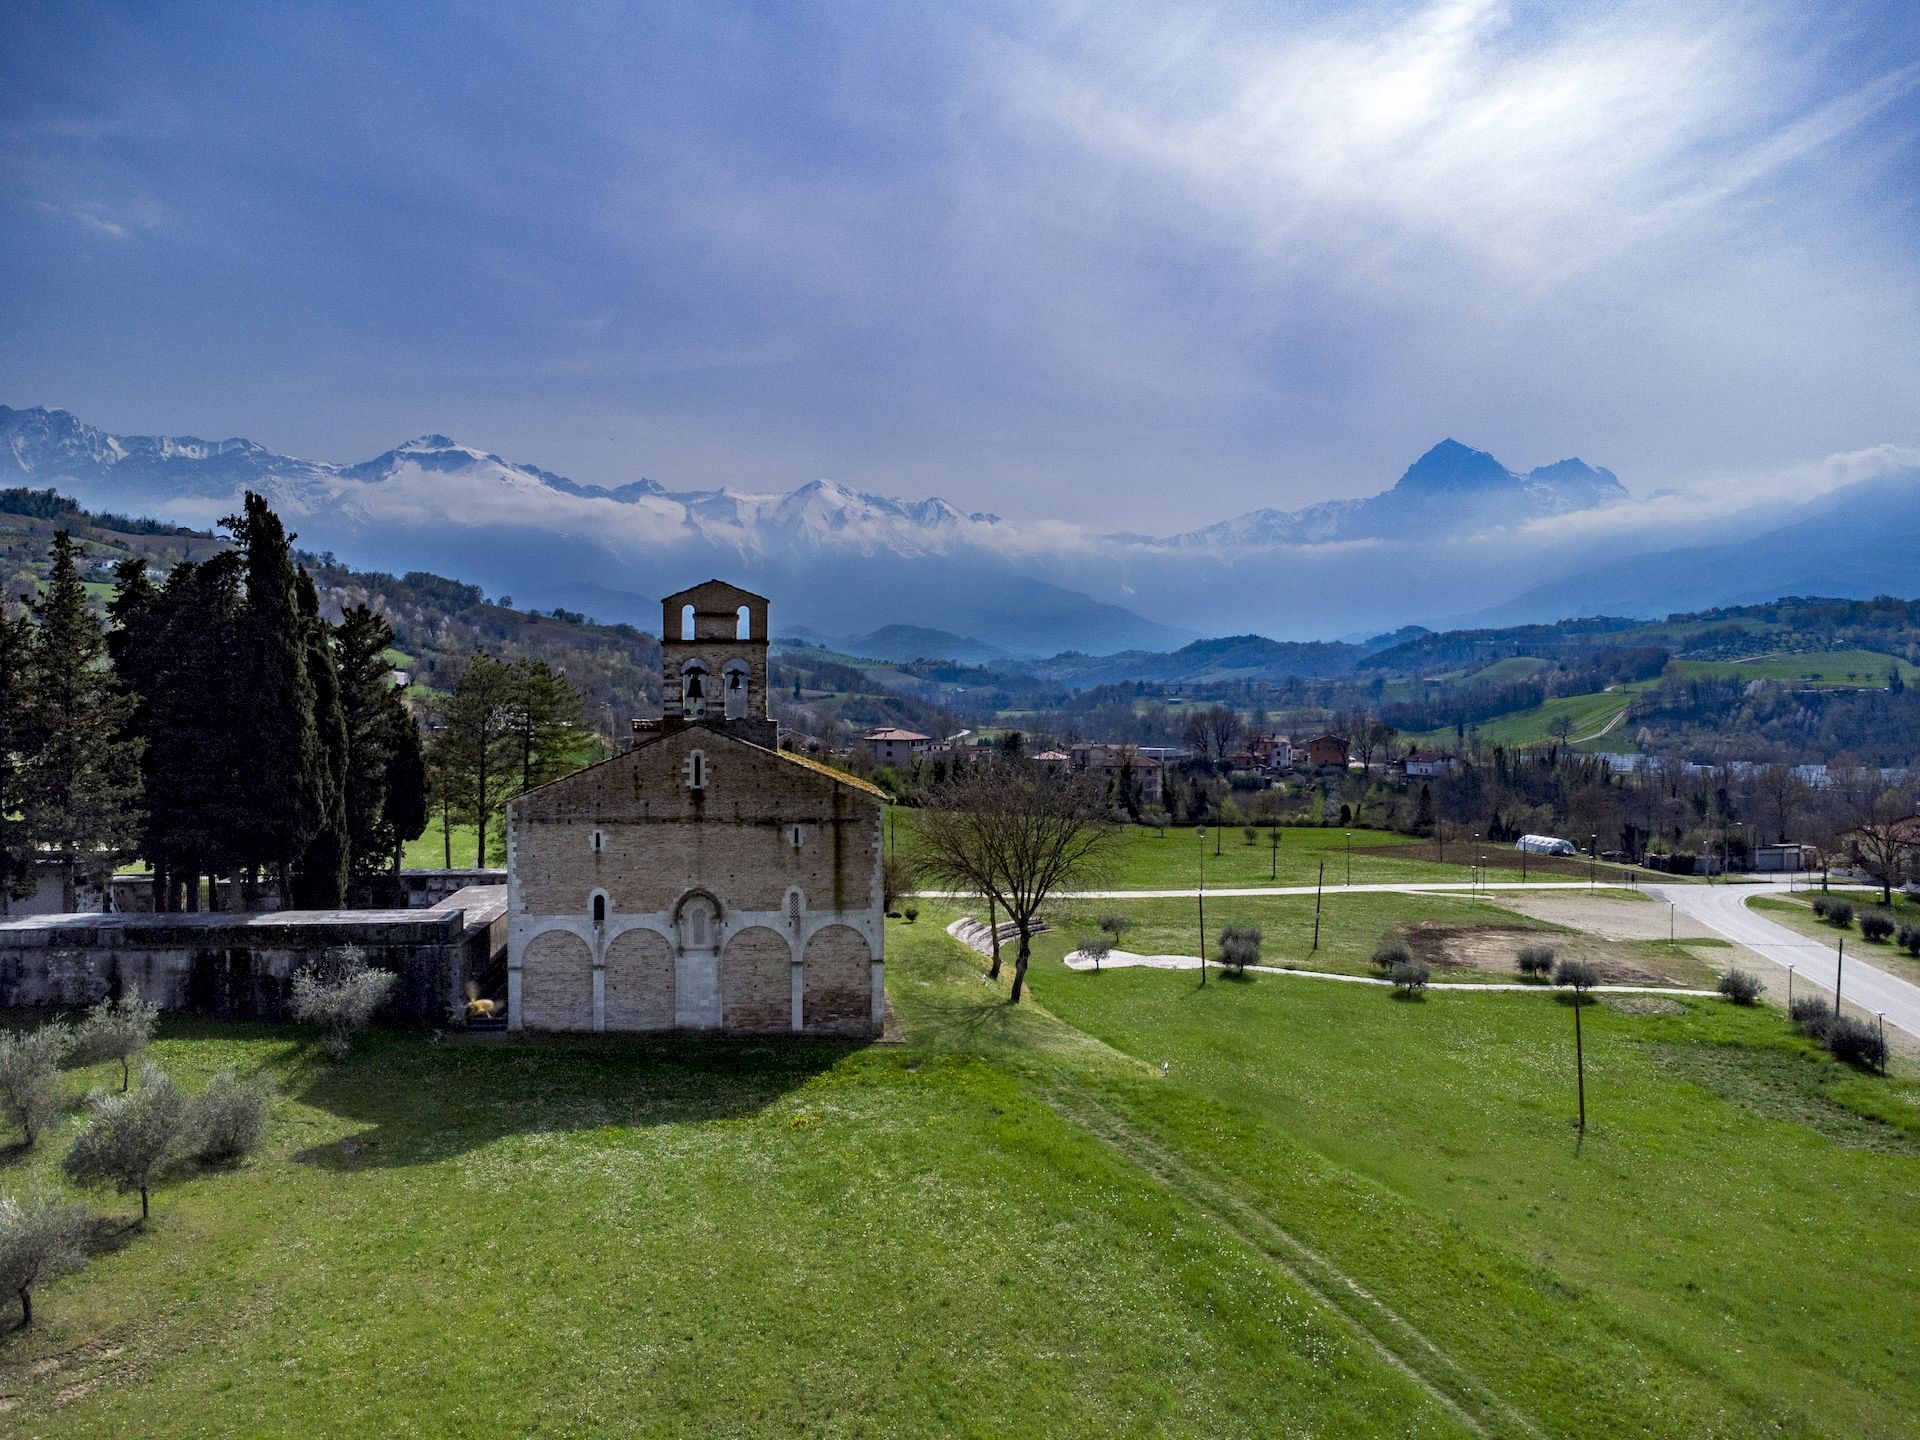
(756, 981)
(242, 966)
(839, 983)
(557, 991)
(639, 982)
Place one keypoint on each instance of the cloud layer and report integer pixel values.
(1127, 266)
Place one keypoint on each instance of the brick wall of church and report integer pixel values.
(839, 983)
(639, 982)
(557, 985)
(659, 838)
(756, 981)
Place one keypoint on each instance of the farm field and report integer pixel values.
(1830, 667)
(1015, 1221)
(1588, 715)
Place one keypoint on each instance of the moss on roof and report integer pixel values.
(831, 773)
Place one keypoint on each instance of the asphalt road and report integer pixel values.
(1723, 908)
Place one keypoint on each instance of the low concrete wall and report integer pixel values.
(242, 966)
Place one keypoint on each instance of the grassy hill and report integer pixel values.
(1138, 1207)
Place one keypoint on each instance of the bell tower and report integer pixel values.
(713, 655)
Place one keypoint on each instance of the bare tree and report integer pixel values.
(1885, 846)
(1017, 837)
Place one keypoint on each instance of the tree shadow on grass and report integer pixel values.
(421, 1102)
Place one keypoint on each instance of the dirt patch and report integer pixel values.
(1643, 1005)
(1609, 919)
(1495, 950)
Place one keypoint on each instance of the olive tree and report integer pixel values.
(131, 1137)
(341, 996)
(117, 1030)
(229, 1119)
(41, 1238)
(1019, 836)
(1239, 948)
(30, 1088)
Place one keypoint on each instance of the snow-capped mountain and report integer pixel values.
(1450, 489)
(1457, 534)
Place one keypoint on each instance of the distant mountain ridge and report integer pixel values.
(1451, 487)
(1458, 535)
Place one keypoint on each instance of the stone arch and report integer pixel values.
(695, 685)
(639, 982)
(736, 689)
(839, 982)
(556, 982)
(756, 981)
(697, 921)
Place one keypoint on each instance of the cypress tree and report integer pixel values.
(386, 769)
(16, 700)
(80, 798)
(320, 876)
(286, 774)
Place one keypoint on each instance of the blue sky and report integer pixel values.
(1155, 264)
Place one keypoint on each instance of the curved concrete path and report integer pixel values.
(1723, 909)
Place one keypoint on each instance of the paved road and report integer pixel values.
(1723, 908)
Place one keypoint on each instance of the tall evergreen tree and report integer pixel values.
(16, 700)
(473, 753)
(286, 774)
(386, 768)
(545, 723)
(320, 875)
(80, 799)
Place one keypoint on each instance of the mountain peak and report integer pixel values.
(1453, 466)
(427, 442)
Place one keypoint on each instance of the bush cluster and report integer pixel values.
(1239, 948)
(1909, 939)
(1742, 987)
(1576, 975)
(1836, 912)
(1409, 977)
(1536, 960)
(1876, 925)
(1849, 1040)
(1391, 951)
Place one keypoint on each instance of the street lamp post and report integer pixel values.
(1593, 856)
(1349, 857)
(1318, 886)
(1839, 964)
(1789, 989)
(1203, 904)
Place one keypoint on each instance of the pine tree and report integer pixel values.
(474, 755)
(544, 722)
(80, 797)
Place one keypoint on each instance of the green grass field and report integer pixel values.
(1831, 667)
(1331, 1214)
(429, 852)
(1587, 714)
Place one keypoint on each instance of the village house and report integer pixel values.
(1119, 764)
(1328, 751)
(1425, 767)
(704, 879)
(891, 746)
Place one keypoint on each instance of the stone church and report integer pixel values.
(705, 879)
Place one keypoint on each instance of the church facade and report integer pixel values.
(704, 879)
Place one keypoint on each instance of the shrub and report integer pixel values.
(1252, 832)
(1391, 951)
(30, 1089)
(1409, 977)
(1115, 924)
(897, 880)
(1876, 924)
(1821, 905)
(1811, 1015)
(229, 1119)
(1839, 913)
(116, 1031)
(1909, 939)
(1239, 948)
(1742, 987)
(1096, 948)
(41, 1238)
(911, 911)
(131, 1137)
(341, 998)
(1578, 976)
(1856, 1043)
(1536, 960)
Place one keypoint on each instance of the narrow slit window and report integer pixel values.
(697, 770)
(599, 910)
(599, 842)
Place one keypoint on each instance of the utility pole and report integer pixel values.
(1839, 963)
(1318, 886)
(1203, 904)
(1273, 838)
(1593, 857)
(1349, 858)
(1789, 989)
(1580, 1061)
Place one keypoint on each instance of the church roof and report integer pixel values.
(839, 777)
